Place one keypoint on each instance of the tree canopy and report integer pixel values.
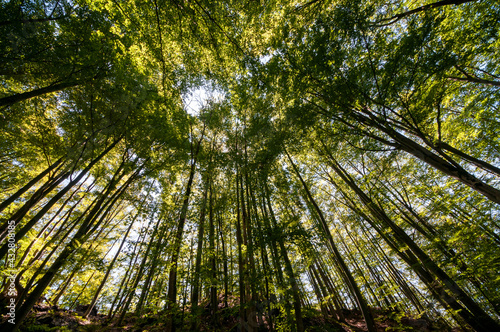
(344, 155)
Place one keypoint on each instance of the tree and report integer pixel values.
(344, 156)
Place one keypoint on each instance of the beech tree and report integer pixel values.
(263, 164)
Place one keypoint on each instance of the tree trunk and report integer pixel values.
(453, 170)
(10, 100)
(288, 267)
(172, 280)
(477, 318)
(79, 238)
(241, 260)
(212, 258)
(349, 279)
(30, 184)
(22, 232)
(197, 267)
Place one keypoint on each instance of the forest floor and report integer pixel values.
(46, 318)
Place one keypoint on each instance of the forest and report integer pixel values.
(272, 165)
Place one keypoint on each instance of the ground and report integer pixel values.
(51, 318)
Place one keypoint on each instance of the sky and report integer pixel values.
(196, 98)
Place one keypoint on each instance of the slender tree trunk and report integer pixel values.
(451, 169)
(473, 314)
(79, 238)
(24, 230)
(64, 284)
(37, 196)
(172, 280)
(288, 267)
(318, 294)
(42, 231)
(126, 278)
(30, 184)
(110, 267)
(479, 163)
(241, 260)
(82, 291)
(212, 257)
(158, 246)
(349, 279)
(332, 291)
(355, 263)
(224, 260)
(197, 267)
(264, 257)
(251, 272)
(442, 3)
(10, 100)
(139, 274)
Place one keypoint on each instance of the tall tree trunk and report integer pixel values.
(126, 278)
(139, 275)
(212, 257)
(317, 291)
(264, 257)
(10, 100)
(157, 250)
(30, 184)
(110, 267)
(251, 290)
(447, 167)
(43, 232)
(224, 260)
(197, 267)
(446, 288)
(79, 238)
(479, 163)
(24, 230)
(172, 280)
(241, 259)
(288, 266)
(349, 279)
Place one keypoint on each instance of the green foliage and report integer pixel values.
(389, 112)
(46, 328)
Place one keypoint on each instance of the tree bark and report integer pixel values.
(288, 267)
(473, 314)
(423, 8)
(346, 273)
(30, 184)
(172, 280)
(22, 232)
